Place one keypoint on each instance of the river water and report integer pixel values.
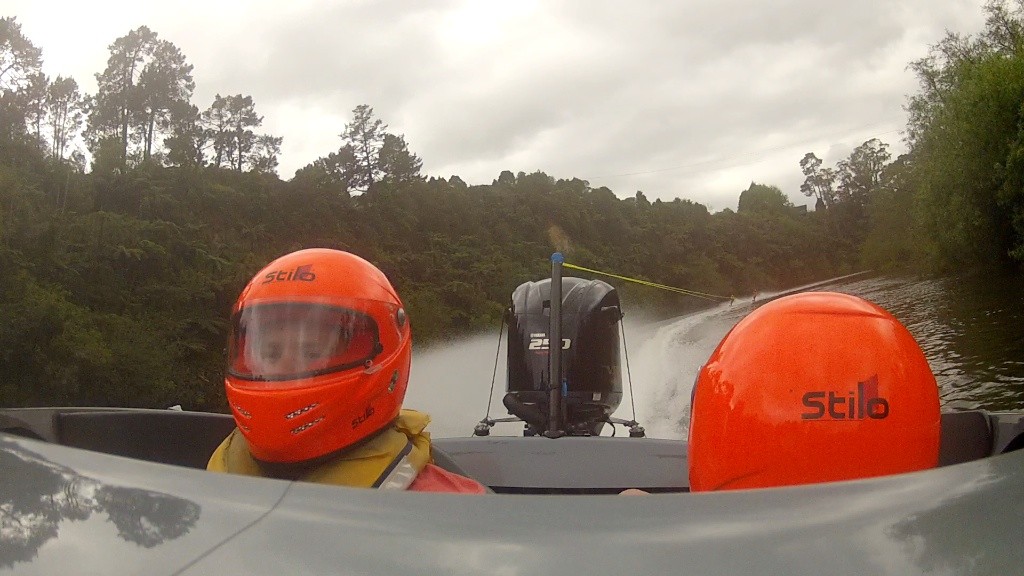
(971, 329)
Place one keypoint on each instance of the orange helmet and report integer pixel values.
(318, 355)
(813, 387)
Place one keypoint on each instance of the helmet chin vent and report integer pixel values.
(307, 426)
(301, 411)
(243, 411)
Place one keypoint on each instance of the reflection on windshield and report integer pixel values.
(37, 495)
(938, 549)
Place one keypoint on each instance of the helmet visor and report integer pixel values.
(289, 341)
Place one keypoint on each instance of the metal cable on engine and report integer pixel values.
(494, 375)
(652, 284)
(629, 375)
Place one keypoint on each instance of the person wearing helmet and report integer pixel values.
(813, 387)
(318, 363)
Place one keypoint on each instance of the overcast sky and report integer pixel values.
(688, 99)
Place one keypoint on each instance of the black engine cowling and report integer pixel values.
(591, 378)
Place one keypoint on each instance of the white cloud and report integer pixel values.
(693, 99)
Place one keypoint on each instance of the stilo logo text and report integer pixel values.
(300, 274)
(863, 402)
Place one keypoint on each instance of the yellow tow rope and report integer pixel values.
(651, 284)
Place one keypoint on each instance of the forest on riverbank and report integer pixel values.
(119, 272)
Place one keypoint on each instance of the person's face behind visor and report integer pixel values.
(289, 341)
(289, 347)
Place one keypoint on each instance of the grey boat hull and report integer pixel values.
(72, 508)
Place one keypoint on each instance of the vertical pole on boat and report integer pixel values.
(555, 349)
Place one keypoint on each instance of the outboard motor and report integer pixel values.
(590, 369)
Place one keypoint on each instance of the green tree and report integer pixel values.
(963, 132)
(264, 153)
(188, 141)
(365, 134)
(34, 99)
(398, 166)
(216, 121)
(818, 182)
(243, 118)
(1010, 197)
(332, 173)
(763, 198)
(230, 121)
(112, 108)
(145, 81)
(895, 238)
(20, 61)
(862, 172)
(65, 109)
(506, 179)
(165, 85)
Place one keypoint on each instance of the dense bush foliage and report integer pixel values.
(117, 287)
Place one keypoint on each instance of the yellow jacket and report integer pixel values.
(389, 460)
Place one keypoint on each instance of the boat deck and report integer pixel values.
(508, 464)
